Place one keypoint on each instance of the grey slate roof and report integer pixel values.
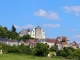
(3, 39)
(38, 27)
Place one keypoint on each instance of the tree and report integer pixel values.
(12, 35)
(54, 48)
(77, 53)
(13, 28)
(41, 49)
(61, 53)
(26, 37)
(3, 33)
(5, 28)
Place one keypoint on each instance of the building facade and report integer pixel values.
(36, 32)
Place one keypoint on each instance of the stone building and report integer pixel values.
(36, 32)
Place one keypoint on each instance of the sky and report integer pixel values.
(55, 17)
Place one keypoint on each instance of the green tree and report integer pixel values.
(61, 53)
(12, 35)
(26, 37)
(13, 28)
(77, 53)
(3, 33)
(5, 28)
(41, 49)
(54, 48)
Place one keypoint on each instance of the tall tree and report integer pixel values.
(2, 32)
(5, 28)
(41, 49)
(13, 28)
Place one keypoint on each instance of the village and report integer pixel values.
(39, 34)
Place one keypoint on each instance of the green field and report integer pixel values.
(24, 57)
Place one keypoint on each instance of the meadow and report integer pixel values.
(25, 57)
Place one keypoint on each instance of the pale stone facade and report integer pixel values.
(36, 32)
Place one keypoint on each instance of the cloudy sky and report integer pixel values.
(56, 17)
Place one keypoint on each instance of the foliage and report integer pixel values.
(4, 32)
(1, 45)
(41, 49)
(5, 28)
(26, 37)
(69, 53)
(22, 49)
(61, 53)
(76, 53)
(54, 48)
(13, 28)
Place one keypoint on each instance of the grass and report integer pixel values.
(24, 57)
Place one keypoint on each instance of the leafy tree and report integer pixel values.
(54, 48)
(41, 49)
(26, 37)
(3, 33)
(5, 28)
(12, 35)
(61, 53)
(77, 53)
(13, 28)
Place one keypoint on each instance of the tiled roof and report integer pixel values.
(74, 43)
(50, 40)
(39, 40)
(64, 38)
(31, 41)
(57, 42)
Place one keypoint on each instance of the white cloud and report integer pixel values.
(74, 30)
(52, 25)
(25, 27)
(47, 15)
(16, 26)
(76, 36)
(75, 9)
(28, 26)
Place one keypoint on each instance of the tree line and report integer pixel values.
(12, 34)
(5, 33)
(39, 49)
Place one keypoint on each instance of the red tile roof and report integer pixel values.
(64, 38)
(57, 41)
(50, 40)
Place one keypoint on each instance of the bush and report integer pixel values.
(41, 49)
(52, 55)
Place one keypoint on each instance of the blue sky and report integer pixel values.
(56, 17)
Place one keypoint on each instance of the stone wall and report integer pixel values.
(0, 51)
